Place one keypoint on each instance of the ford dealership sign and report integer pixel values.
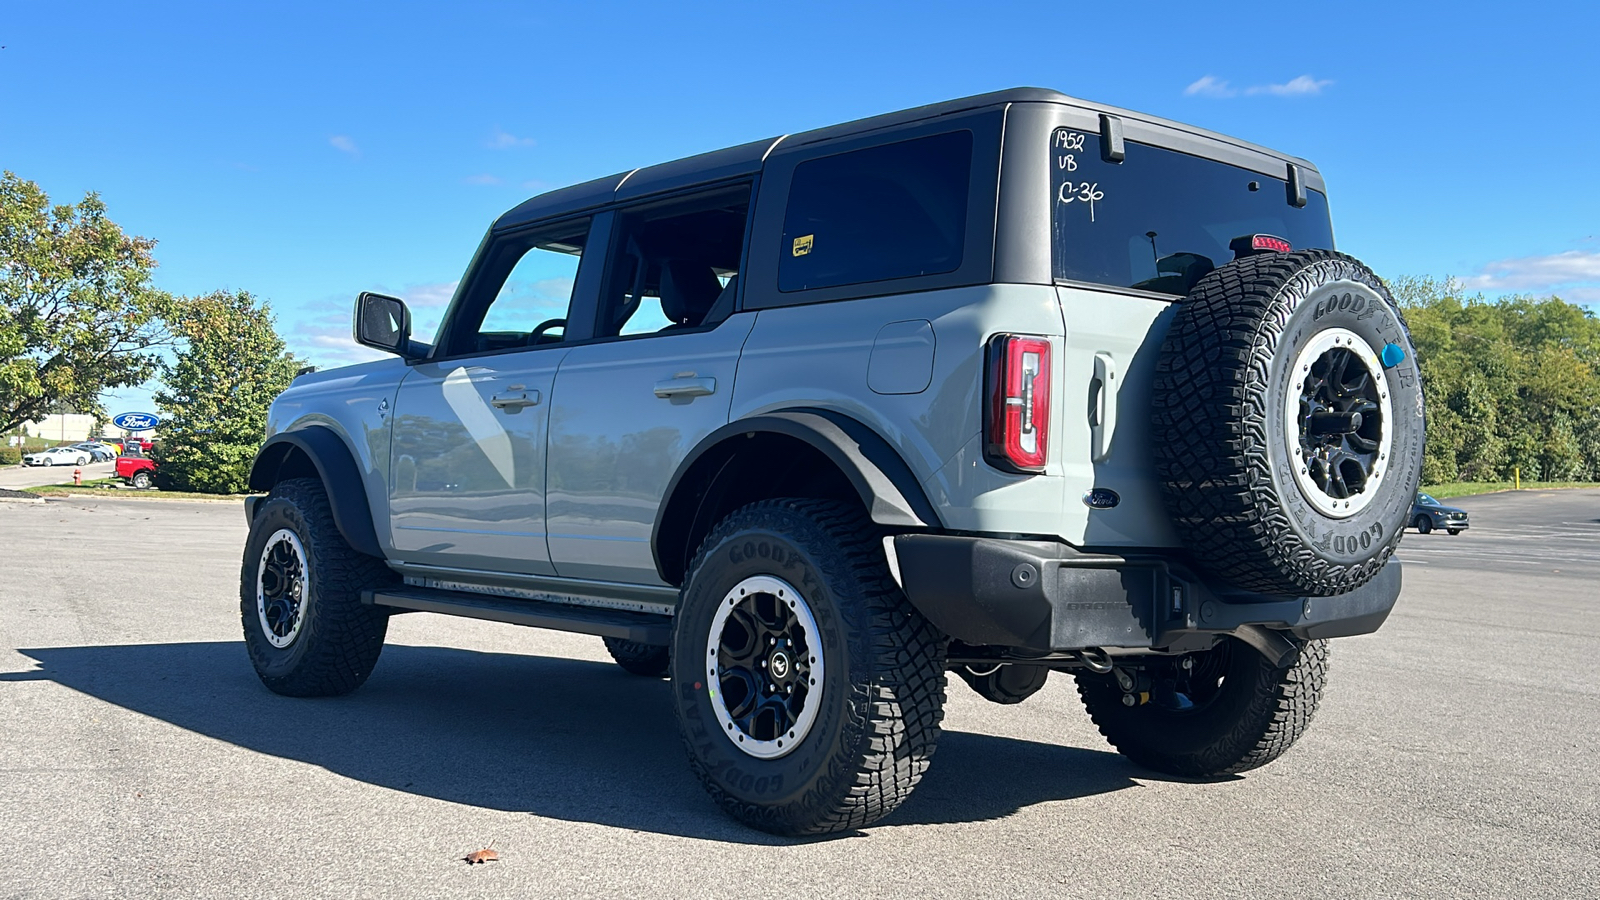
(136, 421)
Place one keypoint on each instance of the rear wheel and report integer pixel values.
(639, 659)
(141, 479)
(1224, 710)
(808, 689)
(306, 630)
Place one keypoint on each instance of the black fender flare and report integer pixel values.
(888, 489)
(336, 466)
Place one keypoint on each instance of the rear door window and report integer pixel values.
(893, 211)
(1161, 220)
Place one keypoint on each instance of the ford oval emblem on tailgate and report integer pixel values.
(1101, 498)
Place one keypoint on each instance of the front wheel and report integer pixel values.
(1217, 712)
(1424, 525)
(808, 690)
(1453, 531)
(306, 630)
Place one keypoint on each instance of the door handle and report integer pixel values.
(686, 385)
(1103, 408)
(514, 401)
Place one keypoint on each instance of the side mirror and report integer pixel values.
(383, 323)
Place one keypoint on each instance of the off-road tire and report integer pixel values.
(1258, 713)
(648, 660)
(1219, 434)
(1424, 525)
(882, 697)
(340, 638)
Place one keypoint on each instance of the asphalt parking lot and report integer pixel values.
(16, 477)
(1455, 753)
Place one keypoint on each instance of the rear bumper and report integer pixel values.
(1045, 596)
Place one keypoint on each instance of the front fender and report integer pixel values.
(319, 449)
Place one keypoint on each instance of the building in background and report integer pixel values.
(61, 427)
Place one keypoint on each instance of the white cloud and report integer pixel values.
(1302, 86)
(428, 296)
(326, 342)
(484, 179)
(343, 143)
(1209, 86)
(500, 139)
(321, 334)
(1217, 88)
(1574, 275)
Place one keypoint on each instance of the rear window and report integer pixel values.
(893, 211)
(1160, 220)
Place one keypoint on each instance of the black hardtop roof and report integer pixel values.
(747, 159)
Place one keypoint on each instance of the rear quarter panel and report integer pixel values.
(818, 356)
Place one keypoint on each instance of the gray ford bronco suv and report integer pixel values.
(1000, 386)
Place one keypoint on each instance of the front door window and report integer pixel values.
(471, 424)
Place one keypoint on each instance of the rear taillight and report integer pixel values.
(1016, 429)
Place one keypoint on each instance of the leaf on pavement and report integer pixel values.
(487, 854)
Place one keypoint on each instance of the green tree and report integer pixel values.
(1510, 384)
(230, 365)
(78, 314)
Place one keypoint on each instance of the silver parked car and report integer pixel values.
(58, 456)
(1004, 386)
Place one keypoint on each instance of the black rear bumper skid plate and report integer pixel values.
(1047, 596)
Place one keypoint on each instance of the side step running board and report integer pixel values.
(644, 628)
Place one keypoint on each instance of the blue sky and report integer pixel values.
(308, 151)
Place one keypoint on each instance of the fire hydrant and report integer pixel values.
(77, 476)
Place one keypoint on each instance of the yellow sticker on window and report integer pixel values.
(802, 244)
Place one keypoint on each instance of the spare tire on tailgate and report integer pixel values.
(1288, 423)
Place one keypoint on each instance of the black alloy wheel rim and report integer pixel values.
(281, 591)
(1338, 419)
(765, 667)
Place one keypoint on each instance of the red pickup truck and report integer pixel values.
(139, 471)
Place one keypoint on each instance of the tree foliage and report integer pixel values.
(78, 314)
(229, 366)
(1509, 384)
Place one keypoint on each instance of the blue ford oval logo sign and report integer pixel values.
(136, 421)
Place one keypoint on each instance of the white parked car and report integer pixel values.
(58, 456)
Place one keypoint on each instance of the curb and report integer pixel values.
(119, 495)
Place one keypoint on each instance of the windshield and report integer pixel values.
(1160, 220)
(1424, 498)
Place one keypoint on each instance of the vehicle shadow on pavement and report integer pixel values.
(559, 738)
